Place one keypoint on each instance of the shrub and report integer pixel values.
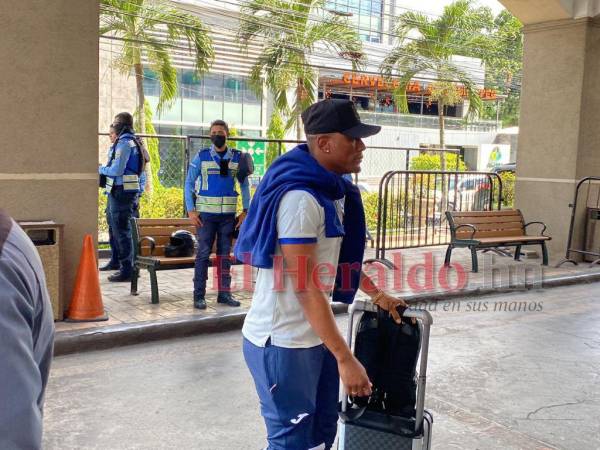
(429, 161)
(370, 204)
(102, 224)
(370, 200)
(508, 189)
(163, 203)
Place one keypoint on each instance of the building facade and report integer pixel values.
(225, 93)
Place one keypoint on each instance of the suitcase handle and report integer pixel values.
(425, 320)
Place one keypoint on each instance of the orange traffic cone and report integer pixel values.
(86, 301)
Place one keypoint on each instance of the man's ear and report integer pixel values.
(324, 143)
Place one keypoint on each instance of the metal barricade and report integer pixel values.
(592, 213)
(412, 205)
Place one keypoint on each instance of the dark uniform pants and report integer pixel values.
(220, 226)
(114, 256)
(121, 209)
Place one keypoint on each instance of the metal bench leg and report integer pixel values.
(134, 280)
(153, 285)
(544, 254)
(518, 253)
(448, 256)
(474, 263)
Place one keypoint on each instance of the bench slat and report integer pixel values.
(503, 212)
(489, 234)
(163, 222)
(491, 240)
(478, 220)
(493, 226)
(165, 231)
(159, 240)
(164, 261)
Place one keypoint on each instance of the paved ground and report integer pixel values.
(524, 378)
(416, 266)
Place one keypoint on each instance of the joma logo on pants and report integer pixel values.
(299, 419)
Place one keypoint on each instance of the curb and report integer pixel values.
(90, 339)
(68, 342)
(552, 282)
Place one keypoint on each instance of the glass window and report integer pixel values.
(366, 16)
(173, 113)
(213, 86)
(190, 84)
(213, 110)
(232, 114)
(250, 133)
(376, 7)
(191, 110)
(215, 96)
(151, 84)
(249, 94)
(233, 89)
(252, 114)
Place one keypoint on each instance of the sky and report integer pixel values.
(436, 6)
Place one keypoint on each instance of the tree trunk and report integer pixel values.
(299, 95)
(141, 98)
(444, 196)
(141, 117)
(442, 141)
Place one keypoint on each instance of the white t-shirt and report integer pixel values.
(277, 313)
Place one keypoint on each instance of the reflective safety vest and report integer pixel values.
(217, 193)
(130, 180)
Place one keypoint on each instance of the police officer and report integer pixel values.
(216, 168)
(123, 172)
(113, 263)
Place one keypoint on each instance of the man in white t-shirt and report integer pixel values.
(292, 345)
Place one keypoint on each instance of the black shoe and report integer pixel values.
(199, 303)
(119, 277)
(109, 266)
(227, 299)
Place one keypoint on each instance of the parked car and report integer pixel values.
(472, 193)
(509, 167)
(363, 188)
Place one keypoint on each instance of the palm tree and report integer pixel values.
(454, 32)
(290, 31)
(149, 29)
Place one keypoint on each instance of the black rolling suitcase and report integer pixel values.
(397, 420)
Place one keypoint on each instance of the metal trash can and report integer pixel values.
(48, 239)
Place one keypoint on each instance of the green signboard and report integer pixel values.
(257, 150)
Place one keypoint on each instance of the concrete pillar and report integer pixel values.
(49, 117)
(559, 139)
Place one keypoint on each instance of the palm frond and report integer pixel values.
(160, 62)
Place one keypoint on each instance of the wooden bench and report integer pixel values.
(150, 236)
(490, 229)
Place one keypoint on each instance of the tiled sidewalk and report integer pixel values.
(175, 286)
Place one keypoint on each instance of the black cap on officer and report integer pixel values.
(336, 116)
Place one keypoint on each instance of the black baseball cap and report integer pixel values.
(336, 116)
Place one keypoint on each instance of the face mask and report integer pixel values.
(218, 140)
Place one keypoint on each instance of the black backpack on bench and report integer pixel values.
(389, 352)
